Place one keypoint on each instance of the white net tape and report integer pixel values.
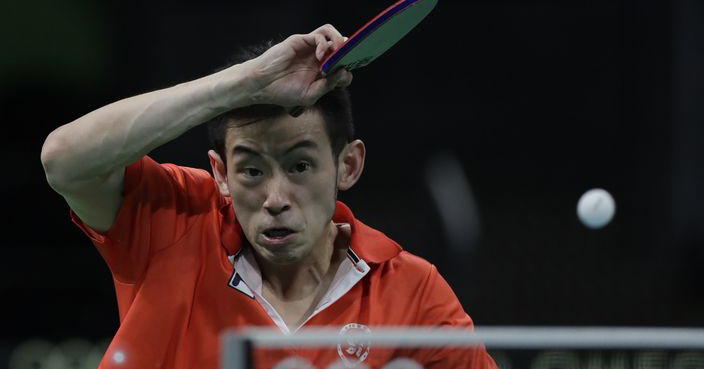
(647, 340)
(301, 363)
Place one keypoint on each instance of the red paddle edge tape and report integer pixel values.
(367, 28)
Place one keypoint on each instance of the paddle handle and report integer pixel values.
(296, 111)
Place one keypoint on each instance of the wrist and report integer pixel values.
(232, 88)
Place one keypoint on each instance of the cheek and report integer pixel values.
(320, 202)
(246, 203)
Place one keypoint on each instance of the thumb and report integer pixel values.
(341, 78)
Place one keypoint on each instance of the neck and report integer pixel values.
(300, 280)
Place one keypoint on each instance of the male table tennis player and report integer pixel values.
(263, 240)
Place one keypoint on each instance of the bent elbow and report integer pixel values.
(53, 150)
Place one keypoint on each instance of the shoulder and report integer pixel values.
(182, 175)
(412, 269)
(387, 256)
(418, 283)
(388, 260)
(169, 181)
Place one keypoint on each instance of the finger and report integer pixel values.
(321, 86)
(322, 45)
(348, 80)
(341, 78)
(316, 41)
(332, 34)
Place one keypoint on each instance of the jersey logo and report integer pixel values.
(237, 283)
(353, 344)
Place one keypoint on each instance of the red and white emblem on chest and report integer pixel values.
(353, 344)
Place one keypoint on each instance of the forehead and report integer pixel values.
(277, 133)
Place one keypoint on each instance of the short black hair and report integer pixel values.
(335, 108)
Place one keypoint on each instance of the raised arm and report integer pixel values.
(84, 160)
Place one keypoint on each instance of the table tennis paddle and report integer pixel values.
(375, 37)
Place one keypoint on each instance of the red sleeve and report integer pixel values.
(442, 308)
(160, 204)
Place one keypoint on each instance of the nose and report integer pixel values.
(277, 200)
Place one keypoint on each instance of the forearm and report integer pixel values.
(116, 135)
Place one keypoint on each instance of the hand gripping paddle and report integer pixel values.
(375, 37)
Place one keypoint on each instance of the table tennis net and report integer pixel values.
(358, 346)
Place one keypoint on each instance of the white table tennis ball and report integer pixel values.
(596, 208)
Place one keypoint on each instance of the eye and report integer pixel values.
(300, 167)
(251, 172)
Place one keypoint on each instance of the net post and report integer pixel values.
(236, 351)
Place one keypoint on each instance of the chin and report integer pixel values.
(289, 255)
(285, 260)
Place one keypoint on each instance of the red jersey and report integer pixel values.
(180, 278)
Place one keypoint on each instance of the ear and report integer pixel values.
(350, 164)
(219, 172)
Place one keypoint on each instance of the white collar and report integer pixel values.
(247, 278)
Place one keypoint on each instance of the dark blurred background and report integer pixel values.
(538, 101)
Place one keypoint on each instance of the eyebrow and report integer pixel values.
(245, 150)
(304, 144)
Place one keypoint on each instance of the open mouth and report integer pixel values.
(277, 233)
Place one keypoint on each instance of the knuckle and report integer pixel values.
(330, 29)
